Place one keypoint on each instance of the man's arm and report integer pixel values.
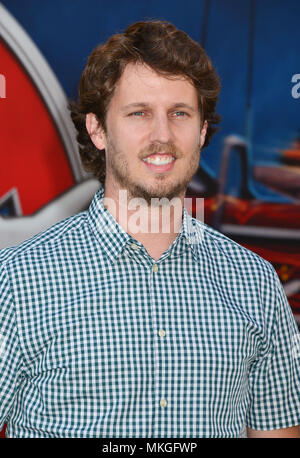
(274, 377)
(11, 360)
(293, 432)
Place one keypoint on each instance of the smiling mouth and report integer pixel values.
(159, 159)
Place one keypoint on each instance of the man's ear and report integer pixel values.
(95, 131)
(203, 133)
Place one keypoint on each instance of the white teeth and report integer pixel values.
(159, 159)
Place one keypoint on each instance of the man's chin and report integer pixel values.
(157, 192)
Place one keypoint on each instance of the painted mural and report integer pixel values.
(249, 175)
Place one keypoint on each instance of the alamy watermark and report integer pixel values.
(2, 87)
(161, 216)
(296, 87)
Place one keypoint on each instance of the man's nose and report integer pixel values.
(161, 129)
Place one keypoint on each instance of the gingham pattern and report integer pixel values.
(82, 347)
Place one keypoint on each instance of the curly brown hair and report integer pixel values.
(160, 46)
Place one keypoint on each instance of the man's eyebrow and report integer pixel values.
(135, 105)
(183, 105)
(145, 105)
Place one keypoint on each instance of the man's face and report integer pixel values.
(157, 118)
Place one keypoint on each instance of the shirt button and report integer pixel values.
(155, 268)
(162, 333)
(163, 403)
(134, 246)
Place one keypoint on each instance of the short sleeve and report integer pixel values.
(274, 379)
(10, 355)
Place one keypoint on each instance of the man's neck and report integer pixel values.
(155, 226)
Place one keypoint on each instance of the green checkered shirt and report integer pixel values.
(97, 339)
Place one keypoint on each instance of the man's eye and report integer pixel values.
(180, 114)
(137, 113)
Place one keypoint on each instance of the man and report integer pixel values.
(110, 328)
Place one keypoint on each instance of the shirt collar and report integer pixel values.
(113, 238)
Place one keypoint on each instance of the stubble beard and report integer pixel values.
(162, 188)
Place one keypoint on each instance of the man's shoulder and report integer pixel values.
(226, 250)
(52, 237)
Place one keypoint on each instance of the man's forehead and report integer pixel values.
(140, 71)
(140, 80)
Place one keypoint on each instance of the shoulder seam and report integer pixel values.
(18, 249)
(221, 238)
